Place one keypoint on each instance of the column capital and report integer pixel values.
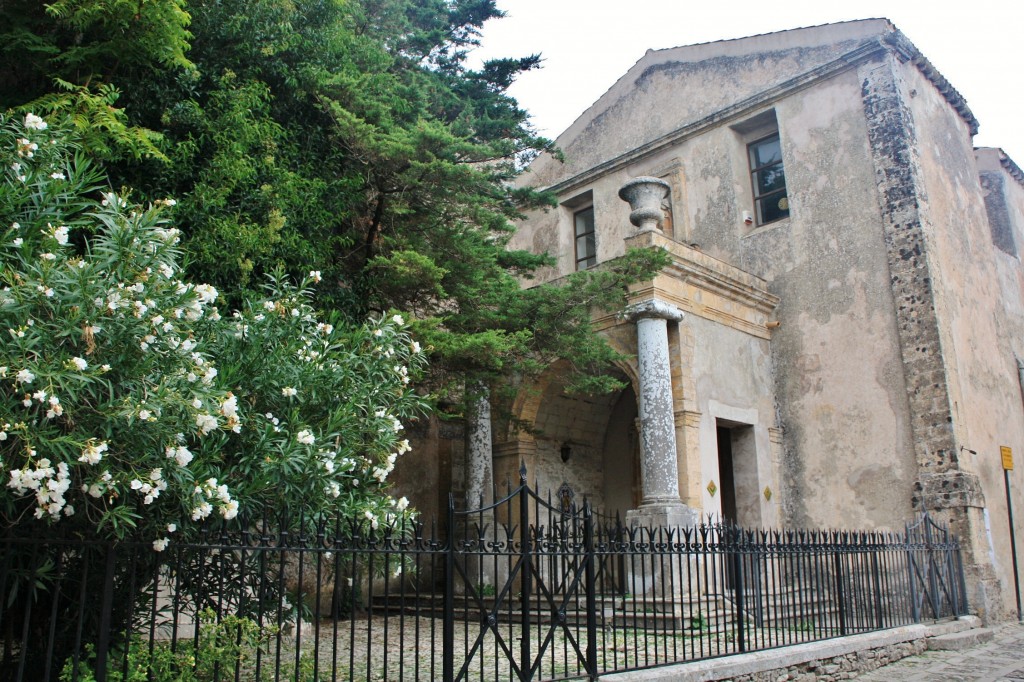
(652, 308)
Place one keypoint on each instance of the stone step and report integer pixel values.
(958, 641)
(948, 627)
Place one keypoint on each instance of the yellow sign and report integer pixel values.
(1007, 454)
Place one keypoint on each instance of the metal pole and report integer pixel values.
(591, 583)
(1013, 544)
(448, 626)
(526, 658)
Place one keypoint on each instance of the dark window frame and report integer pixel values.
(761, 200)
(586, 260)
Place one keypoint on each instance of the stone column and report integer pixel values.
(480, 461)
(480, 478)
(659, 464)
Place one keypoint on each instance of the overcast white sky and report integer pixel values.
(588, 44)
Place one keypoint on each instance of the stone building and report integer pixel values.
(838, 337)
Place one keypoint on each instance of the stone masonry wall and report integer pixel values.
(891, 136)
(845, 667)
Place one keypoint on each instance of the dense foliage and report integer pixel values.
(127, 400)
(349, 137)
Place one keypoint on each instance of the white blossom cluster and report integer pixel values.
(93, 451)
(210, 493)
(150, 487)
(49, 485)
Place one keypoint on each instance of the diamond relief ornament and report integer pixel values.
(712, 488)
(767, 494)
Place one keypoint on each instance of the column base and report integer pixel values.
(665, 514)
(664, 577)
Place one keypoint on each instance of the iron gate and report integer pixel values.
(936, 576)
(521, 577)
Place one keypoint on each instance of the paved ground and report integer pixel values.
(1000, 660)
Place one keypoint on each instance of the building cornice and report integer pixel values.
(906, 51)
(1011, 167)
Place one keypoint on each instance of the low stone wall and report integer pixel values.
(834, 659)
(843, 667)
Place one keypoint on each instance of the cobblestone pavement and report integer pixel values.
(1000, 660)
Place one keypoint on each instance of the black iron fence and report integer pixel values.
(521, 590)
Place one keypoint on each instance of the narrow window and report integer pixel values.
(769, 179)
(586, 239)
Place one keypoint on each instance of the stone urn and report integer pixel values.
(645, 196)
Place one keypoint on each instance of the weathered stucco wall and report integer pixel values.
(980, 336)
(732, 379)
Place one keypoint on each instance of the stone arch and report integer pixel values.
(585, 443)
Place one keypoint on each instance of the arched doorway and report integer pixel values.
(587, 445)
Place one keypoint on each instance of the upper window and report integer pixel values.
(586, 239)
(769, 179)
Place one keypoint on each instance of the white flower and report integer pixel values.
(378, 332)
(229, 510)
(229, 408)
(18, 241)
(305, 437)
(206, 423)
(171, 527)
(179, 454)
(397, 319)
(144, 414)
(415, 347)
(48, 256)
(402, 503)
(161, 544)
(93, 453)
(288, 391)
(79, 363)
(25, 377)
(26, 148)
(201, 511)
(207, 294)
(33, 122)
(57, 175)
(314, 275)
